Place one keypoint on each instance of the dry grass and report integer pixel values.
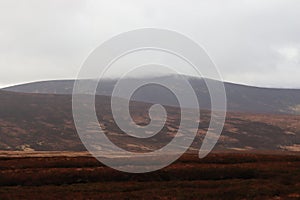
(218, 176)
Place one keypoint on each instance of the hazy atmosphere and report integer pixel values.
(252, 42)
(149, 99)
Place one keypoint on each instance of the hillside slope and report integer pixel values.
(240, 98)
(44, 122)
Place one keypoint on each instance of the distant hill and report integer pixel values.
(240, 98)
(44, 122)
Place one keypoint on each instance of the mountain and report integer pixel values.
(43, 122)
(240, 98)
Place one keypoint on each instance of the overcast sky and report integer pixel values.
(254, 42)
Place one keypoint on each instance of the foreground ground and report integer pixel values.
(218, 176)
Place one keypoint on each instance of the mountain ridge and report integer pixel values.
(241, 98)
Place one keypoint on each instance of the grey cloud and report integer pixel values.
(252, 41)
